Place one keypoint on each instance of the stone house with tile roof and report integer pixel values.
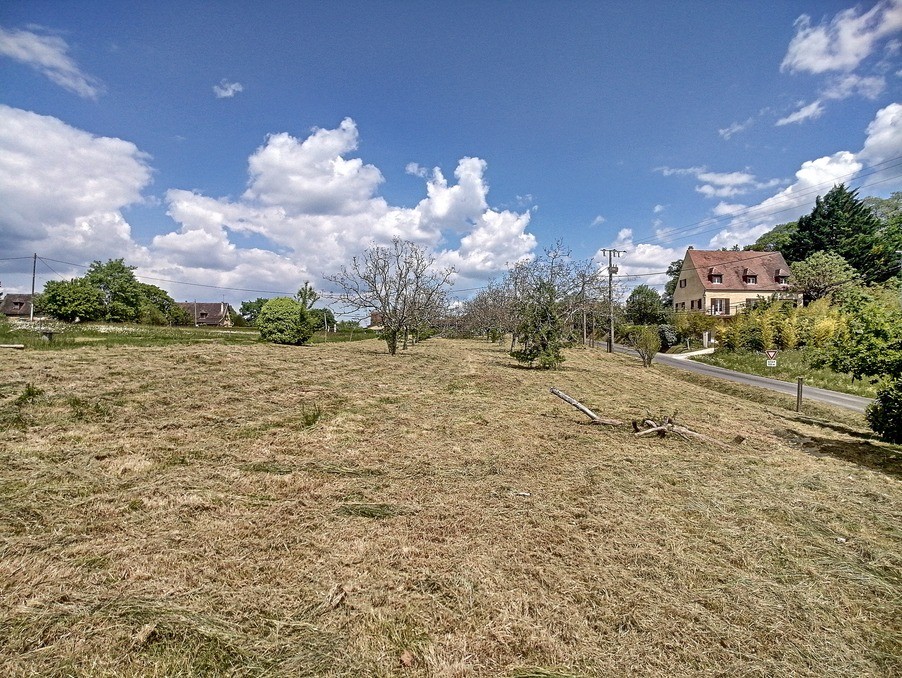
(724, 283)
(16, 305)
(208, 313)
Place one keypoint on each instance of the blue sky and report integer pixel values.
(255, 148)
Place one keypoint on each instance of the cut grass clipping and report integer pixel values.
(371, 510)
(168, 511)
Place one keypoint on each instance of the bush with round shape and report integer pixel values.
(884, 415)
(284, 321)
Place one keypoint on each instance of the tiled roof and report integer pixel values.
(15, 304)
(206, 312)
(735, 266)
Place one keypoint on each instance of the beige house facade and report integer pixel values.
(726, 283)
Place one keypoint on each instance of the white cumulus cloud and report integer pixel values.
(48, 54)
(308, 208)
(63, 189)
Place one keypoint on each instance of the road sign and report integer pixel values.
(771, 363)
(771, 354)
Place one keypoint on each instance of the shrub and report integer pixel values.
(284, 321)
(668, 336)
(647, 342)
(884, 415)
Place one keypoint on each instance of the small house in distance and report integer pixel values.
(724, 283)
(16, 305)
(214, 313)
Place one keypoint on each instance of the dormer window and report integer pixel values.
(781, 277)
(750, 279)
(716, 278)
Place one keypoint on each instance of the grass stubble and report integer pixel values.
(178, 511)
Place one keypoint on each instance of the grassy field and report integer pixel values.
(54, 335)
(790, 366)
(256, 510)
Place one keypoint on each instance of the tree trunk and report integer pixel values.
(391, 338)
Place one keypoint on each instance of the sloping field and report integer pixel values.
(330, 510)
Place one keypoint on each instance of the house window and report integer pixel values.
(700, 305)
(720, 307)
(203, 314)
(682, 305)
(781, 279)
(751, 303)
(692, 305)
(751, 279)
(683, 282)
(17, 305)
(717, 278)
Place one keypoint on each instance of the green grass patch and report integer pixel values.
(371, 510)
(346, 471)
(53, 335)
(790, 365)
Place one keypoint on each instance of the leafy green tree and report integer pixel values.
(870, 346)
(250, 310)
(307, 296)
(540, 329)
(673, 278)
(284, 321)
(775, 240)
(71, 300)
(821, 275)
(885, 209)
(122, 293)
(644, 307)
(158, 308)
(842, 224)
(237, 319)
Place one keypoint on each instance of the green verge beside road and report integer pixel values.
(791, 364)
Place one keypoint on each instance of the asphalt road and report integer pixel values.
(849, 402)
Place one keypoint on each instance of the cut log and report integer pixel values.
(18, 347)
(585, 410)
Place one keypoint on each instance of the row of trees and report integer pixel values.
(110, 292)
(543, 304)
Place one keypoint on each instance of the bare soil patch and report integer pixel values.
(175, 511)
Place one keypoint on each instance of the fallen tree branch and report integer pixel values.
(668, 425)
(585, 410)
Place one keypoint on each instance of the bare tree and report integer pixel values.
(398, 282)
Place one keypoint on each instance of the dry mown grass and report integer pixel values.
(179, 511)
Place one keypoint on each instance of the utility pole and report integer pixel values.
(612, 270)
(34, 270)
